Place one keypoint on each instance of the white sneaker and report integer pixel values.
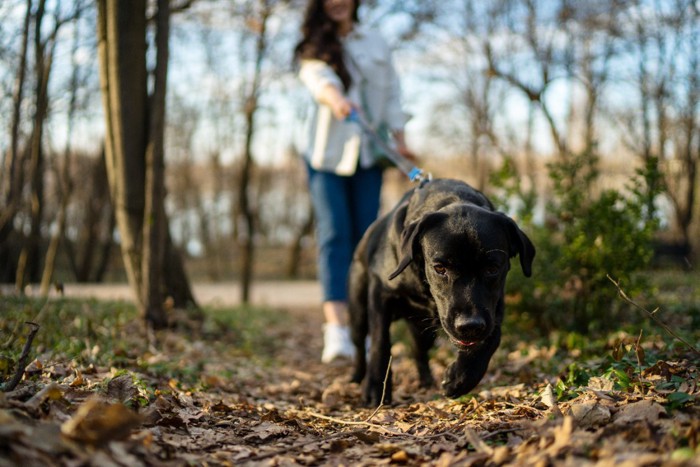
(336, 343)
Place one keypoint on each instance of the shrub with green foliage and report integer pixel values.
(587, 235)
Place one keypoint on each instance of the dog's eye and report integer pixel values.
(492, 270)
(440, 269)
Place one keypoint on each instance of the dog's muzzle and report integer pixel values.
(468, 331)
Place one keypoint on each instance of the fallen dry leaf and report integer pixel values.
(590, 414)
(645, 410)
(122, 388)
(52, 391)
(96, 422)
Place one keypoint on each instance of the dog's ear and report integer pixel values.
(521, 245)
(410, 239)
(399, 219)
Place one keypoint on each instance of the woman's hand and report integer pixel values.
(339, 104)
(341, 108)
(402, 148)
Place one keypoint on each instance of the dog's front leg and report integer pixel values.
(424, 339)
(470, 366)
(378, 370)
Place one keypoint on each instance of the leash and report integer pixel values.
(415, 174)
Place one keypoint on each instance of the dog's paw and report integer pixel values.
(425, 376)
(372, 395)
(357, 377)
(427, 381)
(454, 382)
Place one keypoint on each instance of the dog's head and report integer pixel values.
(464, 253)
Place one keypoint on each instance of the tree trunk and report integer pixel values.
(154, 224)
(134, 153)
(12, 165)
(122, 52)
(28, 264)
(64, 174)
(251, 106)
(296, 246)
(247, 242)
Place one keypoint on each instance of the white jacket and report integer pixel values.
(335, 145)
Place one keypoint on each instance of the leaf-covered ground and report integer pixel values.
(247, 388)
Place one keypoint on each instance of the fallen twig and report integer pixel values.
(22, 362)
(381, 402)
(375, 426)
(652, 315)
(367, 420)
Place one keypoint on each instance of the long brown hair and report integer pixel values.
(320, 39)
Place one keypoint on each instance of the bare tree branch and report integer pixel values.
(652, 315)
(22, 362)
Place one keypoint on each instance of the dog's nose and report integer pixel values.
(468, 327)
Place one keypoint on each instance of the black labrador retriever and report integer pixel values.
(440, 256)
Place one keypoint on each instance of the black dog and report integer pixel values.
(440, 256)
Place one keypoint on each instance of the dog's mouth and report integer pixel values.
(465, 344)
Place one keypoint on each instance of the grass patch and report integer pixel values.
(246, 328)
(87, 331)
(84, 333)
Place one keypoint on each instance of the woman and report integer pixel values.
(345, 67)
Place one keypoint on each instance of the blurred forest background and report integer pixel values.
(581, 119)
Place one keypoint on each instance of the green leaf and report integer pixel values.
(678, 399)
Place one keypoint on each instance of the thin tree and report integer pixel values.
(13, 160)
(44, 48)
(134, 150)
(65, 184)
(251, 106)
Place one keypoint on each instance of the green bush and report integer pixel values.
(587, 235)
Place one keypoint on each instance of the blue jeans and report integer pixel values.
(344, 207)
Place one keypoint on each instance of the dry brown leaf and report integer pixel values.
(221, 407)
(387, 448)
(164, 404)
(448, 459)
(96, 422)
(266, 430)
(400, 457)
(549, 398)
(367, 437)
(441, 414)
(646, 410)
(590, 414)
(404, 427)
(122, 388)
(334, 395)
(52, 391)
(477, 442)
(120, 451)
(601, 384)
(78, 380)
(6, 417)
(562, 436)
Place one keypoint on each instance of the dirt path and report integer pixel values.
(298, 411)
(275, 294)
(276, 404)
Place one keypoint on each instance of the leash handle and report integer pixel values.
(413, 173)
